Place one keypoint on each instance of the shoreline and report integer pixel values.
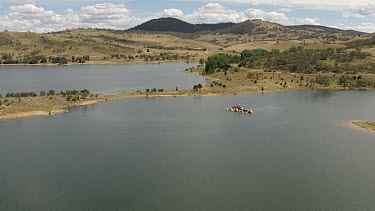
(21, 115)
(352, 124)
(98, 63)
(26, 114)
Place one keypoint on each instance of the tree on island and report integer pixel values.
(200, 86)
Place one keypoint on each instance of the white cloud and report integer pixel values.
(215, 13)
(170, 13)
(32, 18)
(363, 27)
(360, 11)
(275, 17)
(285, 10)
(306, 21)
(336, 5)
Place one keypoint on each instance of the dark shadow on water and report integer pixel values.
(323, 94)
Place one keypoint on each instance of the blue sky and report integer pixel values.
(52, 15)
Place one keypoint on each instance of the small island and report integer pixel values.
(365, 125)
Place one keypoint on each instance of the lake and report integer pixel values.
(187, 153)
(102, 79)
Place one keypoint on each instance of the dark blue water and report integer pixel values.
(189, 154)
(105, 79)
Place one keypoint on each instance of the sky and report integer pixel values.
(56, 15)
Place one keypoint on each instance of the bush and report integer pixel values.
(323, 80)
(42, 93)
(85, 92)
(51, 92)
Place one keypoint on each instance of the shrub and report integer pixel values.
(51, 92)
(42, 93)
(323, 80)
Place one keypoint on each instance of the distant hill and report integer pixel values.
(240, 28)
(327, 29)
(176, 25)
(255, 26)
(214, 27)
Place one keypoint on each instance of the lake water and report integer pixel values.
(104, 79)
(187, 153)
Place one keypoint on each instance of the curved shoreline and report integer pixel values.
(31, 114)
(99, 63)
(20, 115)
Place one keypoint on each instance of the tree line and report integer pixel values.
(7, 58)
(296, 60)
(71, 95)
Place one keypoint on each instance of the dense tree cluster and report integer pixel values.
(58, 60)
(220, 62)
(298, 59)
(7, 58)
(295, 59)
(80, 59)
(70, 94)
(33, 58)
(362, 42)
(152, 57)
(257, 52)
(356, 81)
(21, 94)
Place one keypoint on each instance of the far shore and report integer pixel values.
(101, 63)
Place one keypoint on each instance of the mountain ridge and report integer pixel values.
(249, 26)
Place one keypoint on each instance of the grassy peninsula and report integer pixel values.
(365, 125)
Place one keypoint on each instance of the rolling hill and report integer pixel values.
(176, 25)
(255, 26)
(319, 28)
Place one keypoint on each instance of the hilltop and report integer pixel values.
(254, 26)
(176, 25)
